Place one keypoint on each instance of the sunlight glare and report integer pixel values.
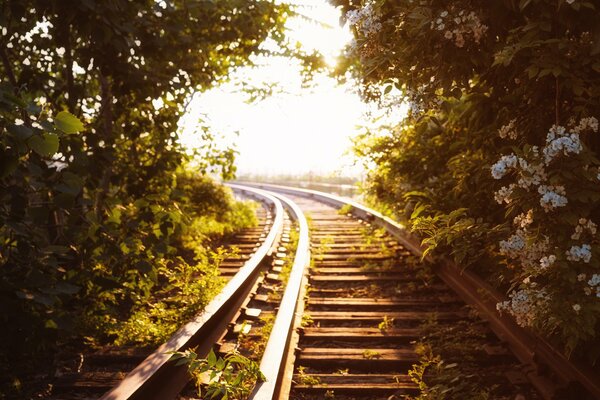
(298, 129)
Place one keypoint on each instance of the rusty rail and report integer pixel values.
(528, 347)
(274, 361)
(156, 377)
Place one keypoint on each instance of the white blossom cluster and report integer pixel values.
(524, 220)
(524, 305)
(589, 123)
(584, 225)
(560, 141)
(508, 131)
(552, 197)
(504, 194)
(580, 253)
(533, 172)
(415, 101)
(528, 252)
(513, 246)
(547, 261)
(503, 165)
(593, 285)
(534, 256)
(365, 19)
(460, 26)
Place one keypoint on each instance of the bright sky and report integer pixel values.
(300, 130)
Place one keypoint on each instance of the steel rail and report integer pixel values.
(528, 347)
(156, 377)
(277, 351)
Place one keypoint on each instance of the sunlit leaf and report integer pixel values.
(67, 122)
(45, 144)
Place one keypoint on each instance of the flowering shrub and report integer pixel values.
(555, 189)
(497, 161)
(460, 26)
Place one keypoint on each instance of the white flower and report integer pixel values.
(547, 261)
(552, 197)
(523, 220)
(576, 307)
(525, 305)
(590, 123)
(581, 277)
(584, 225)
(513, 245)
(551, 200)
(503, 195)
(366, 20)
(506, 162)
(508, 130)
(595, 281)
(559, 141)
(577, 253)
(577, 234)
(353, 16)
(461, 29)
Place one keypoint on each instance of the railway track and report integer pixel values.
(91, 374)
(344, 315)
(365, 306)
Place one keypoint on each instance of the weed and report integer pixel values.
(345, 209)
(306, 320)
(371, 354)
(306, 379)
(256, 346)
(324, 247)
(289, 258)
(450, 363)
(386, 324)
(229, 377)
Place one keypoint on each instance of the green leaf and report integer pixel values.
(212, 358)
(8, 164)
(50, 324)
(10, 98)
(21, 132)
(68, 123)
(66, 288)
(45, 144)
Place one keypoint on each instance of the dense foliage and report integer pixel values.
(497, 161)
(96, 207)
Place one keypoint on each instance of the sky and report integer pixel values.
(302, 130)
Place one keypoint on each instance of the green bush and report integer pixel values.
(507, 90)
